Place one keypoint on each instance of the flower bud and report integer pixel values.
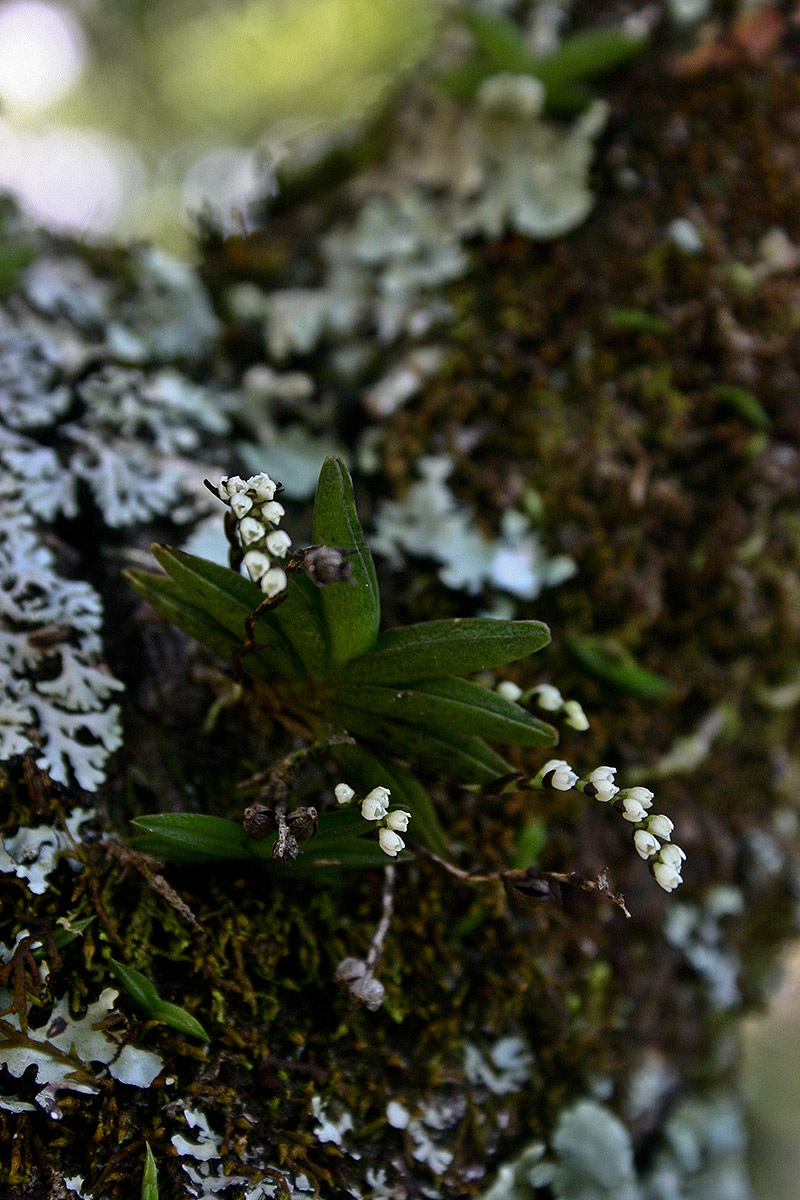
(273, 512)
(666, 876)
(343, 793)
(672, 855)
(240, 505)
(661, 826)
(390, 842)
(556, 774)
(257, 563)
(274, 582)
(250, 530)
(374, 806)
(642, 794)
(646, 845)
(278, 543)
(262, 486)
(398, 820)
(509, 690)
(548, 697)
(633, 811)
(574, 716)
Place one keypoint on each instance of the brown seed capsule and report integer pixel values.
(327, 564)
(303, 823)
(258, 822)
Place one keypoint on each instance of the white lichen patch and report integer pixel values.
(504, 1070)
(430, 523)
(64, 1052)
(54, 694)
(330, 1129)
(75, 425)
(32, 854)
(207, 1176)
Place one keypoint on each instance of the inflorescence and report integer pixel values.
(375, 807)
(652, 831)
(255, 517)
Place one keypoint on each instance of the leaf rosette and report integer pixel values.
(400, 693)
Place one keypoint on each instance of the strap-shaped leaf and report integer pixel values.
(460, 757)
(299, 619)
(352, 610)
(229, 598)
(193, 837)
(196, 838)
(436, 649)
(167, 600)
(455, 706)
(364, 770)
(614, 665)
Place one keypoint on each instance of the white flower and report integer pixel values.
(666, 876)
(390, 842)
(273, 582)
(548, 697)
(509, 690)
(234, 484)
(373, 809)
(381, 794)
(661, 826)
(257, 563)
(240, 505)
(278, 542)
(600, 784)
(557, 774)
(343, 793)
(602, 775)
(272, 511)
(646, 845)
(574, 716)
(633, 811)
(263, 487)
(398, 820)
(250, 530)
(672, 855)
(642, 794)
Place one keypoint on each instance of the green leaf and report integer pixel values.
(743, 402)
(145, 996)
(168, 601)
(636, 320)
(454, 706)
(611, 664)
(193, 837)
(229, 599)
(149, 1175)
(462, 758)
(364, 770)
(299, 619)
(436, 649)
(352, 610)
(499, 40)
(586, 54)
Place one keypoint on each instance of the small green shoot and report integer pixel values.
(500, 47)
(610, 663)
(743, 403)
(145, 996)
(636, 320)
(149, 1175)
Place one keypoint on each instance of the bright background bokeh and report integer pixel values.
(123, 116)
